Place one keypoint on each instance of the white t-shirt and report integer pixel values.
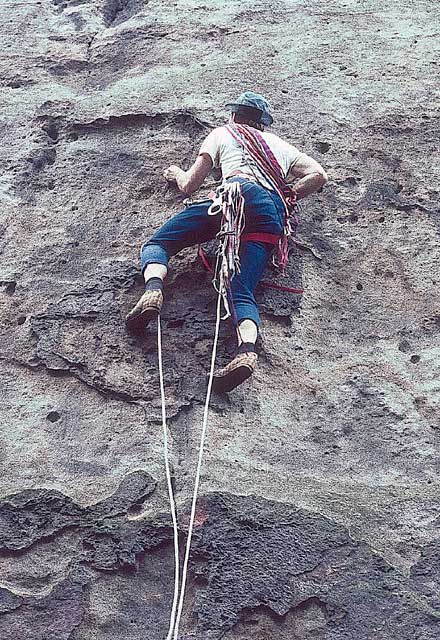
(227, 154)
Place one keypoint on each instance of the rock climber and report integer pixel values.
(264, 220)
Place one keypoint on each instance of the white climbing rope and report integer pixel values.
(169, 483)
(199, 469)
(179, 590)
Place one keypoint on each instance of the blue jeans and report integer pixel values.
(264, 213)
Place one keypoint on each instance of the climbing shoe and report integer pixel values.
(237, 371)
(146, 309)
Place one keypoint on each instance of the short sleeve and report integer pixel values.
(286, 153)
(291, 154)
(211, 146)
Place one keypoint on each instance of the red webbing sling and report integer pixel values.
(258, 238)
(261, 154)
(258, 149)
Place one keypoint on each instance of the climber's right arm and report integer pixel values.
(189, 181)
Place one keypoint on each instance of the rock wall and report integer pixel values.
(319, 512)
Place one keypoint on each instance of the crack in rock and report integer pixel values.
(183, 119)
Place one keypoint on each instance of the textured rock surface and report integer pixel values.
(319, 515)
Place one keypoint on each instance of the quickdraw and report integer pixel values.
(229, 202)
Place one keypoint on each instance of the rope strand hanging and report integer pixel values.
(180, 586)
(169, 482)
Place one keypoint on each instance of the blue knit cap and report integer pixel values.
(253, 101)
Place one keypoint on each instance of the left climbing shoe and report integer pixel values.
(236, 372)
(147, 308)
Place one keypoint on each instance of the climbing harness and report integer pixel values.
(263, 283)
(229, 203)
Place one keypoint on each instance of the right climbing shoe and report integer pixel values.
(147, 308)
(237, 371)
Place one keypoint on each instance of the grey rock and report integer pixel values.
(319, 511)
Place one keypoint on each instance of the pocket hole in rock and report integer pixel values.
(323, 147)
(135, 510)
(174, 324)
(52, 131)
(53, 416)
(10, 289)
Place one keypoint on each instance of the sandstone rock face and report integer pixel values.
(319, 514)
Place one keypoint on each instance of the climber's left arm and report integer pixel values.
(312, 176)
(189, 181)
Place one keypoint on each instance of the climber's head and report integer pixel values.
(251, 108)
